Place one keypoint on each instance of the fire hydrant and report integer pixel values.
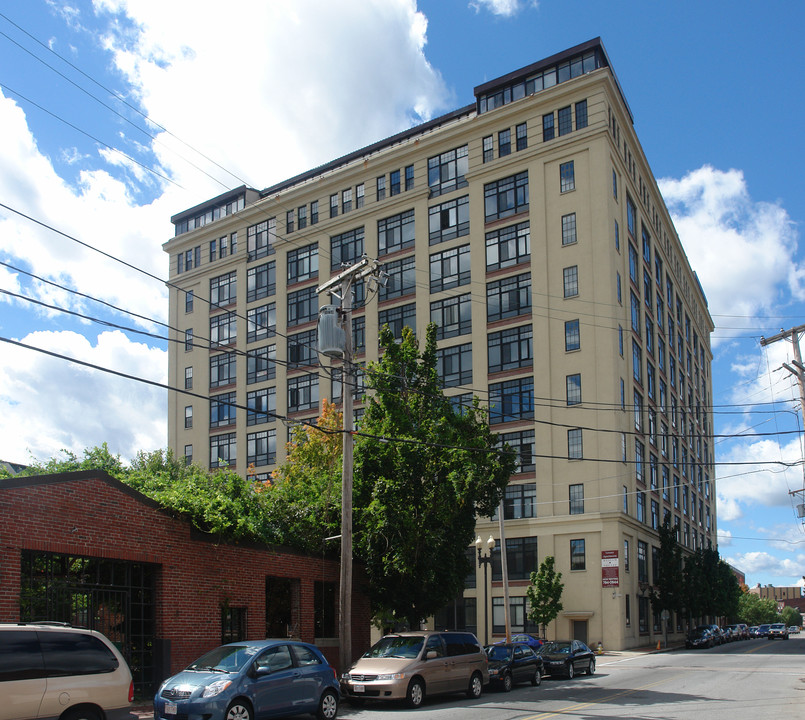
(599, 649)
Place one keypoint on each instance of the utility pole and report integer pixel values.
(337, 342)
(798, 371)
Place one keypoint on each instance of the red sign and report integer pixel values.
(609, 568)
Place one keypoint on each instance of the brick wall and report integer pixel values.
(92, 514)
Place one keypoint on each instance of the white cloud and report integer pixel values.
(732, 242)
(504, 8)
(789, 570)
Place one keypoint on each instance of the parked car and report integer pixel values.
(779, 631)
(699, 637)
(793, 630)
(409, 665)
(763, 630)
(715, 631)
(567, 657)
(754, 631)
(739, 631)
(528, 639)
(250, 680)
(511, 663)
(54, 670)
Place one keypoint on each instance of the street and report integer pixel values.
(742, 680)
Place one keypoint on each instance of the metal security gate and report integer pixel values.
(114, 597)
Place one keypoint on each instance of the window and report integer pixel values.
(261, 322)
(547, 127)
(303, 393)
(397, 318)
(631, 215)
(359, 334)
(523, 444)
(567, 177)
(301, 217)
(303, 349)
(508, 246)
(452, 315)
(262, 406)
(188, 454)
(521, 131)
(518, 616)
(511, 400)
(565, 123)
(575, 450)
(520, 501)
(261, 447)
(303, 263)
(569, 229)
(223, 289)
(188, 301)
(655, 515)
(223, 329)
(233, 624)
(446, 171)
(508, 297)
(325, 615)
(188, 378)
(573, 389)
(572, 335)
(454, 365)
(409, 177)
(260, 364)
(261, 281)
(449, 220)
(303, 306)
(450, 268)
(222, 369)
(395, 233)
(314, 212)
(635, 312)
(334, 205)
(521, 559)
(571, 281)
(506, 197)
(380, 184)
(222, 450)
(577, 555)
(581, 115)
(289, 215)
(576, 494)
(504, 142)
(401, 278)
(346, 247)
(488, 147)
(626, 555)
(222, 410)
(642, 561)
(188, 416)
(346, 200)
(394, 183)
(260, 238)
(641, 507)
(510, 348)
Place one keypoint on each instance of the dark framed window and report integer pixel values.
(359, 334)
(572, 335)
(303, 349)
(303, 306)
(334, 205)
(397, 318)
(346, 200)
(511, 400)
(261, 281)
(395, 233)
(520, 501)
(521, 132)
(510, 348)
(346, 247)
(401, 278)
(488, 147)
(449, 220)
(570, 280)
(581, 115)
(188, 301)
(303, 263)
(508, 297)
(261, 447)
(631, 218)
(224, 289)
(381, 187)
(521, 559)
(578, 556)
(222, 369)
(188, 339)
(188, 378)
(446, 171)
(565, 121)
(518, 616)
(314, 212)
(641, 507)
(233, 624)
(303, 393)
(360, 195)
(261, 364)
(508, 246)
(576, 495)
(289, 216)
(409, 177)
(223, 329)
(222, 410)
(261, 238)
(453, 316)
(223, 450)
(262, 406)
(188, 416)
(642, 561)
(301, 217)
(575, 449)
(325, 614)
(548, 131)
(505, 197)
(523, 444)
(569, 229)
(504, 142)
(454, 365)
(573, 389)
(261, 322)
(567, 177)
(450, 268)
(394, 183)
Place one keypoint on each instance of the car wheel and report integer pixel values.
(591, 666)
(328, 706)
(507, 682)
(416, 693)
(82, 714)
(476, 686)
(537, 678)
(239, 710)
(571, 671)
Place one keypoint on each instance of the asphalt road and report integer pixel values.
(750, 680)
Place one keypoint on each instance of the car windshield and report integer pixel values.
(552, 648)
(227, 658)
(499, 652)
(400, 646)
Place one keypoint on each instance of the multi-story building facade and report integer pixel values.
(530, 228)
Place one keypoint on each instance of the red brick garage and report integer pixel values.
(83, 547)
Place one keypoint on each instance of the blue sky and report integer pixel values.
(261, 91)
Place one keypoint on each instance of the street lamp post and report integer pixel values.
(485, 560)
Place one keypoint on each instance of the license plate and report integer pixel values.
(358, 688)
(170, 708)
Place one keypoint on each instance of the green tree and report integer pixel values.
(710, 586)
(545, 594)
(791, 616)
(753, 610)
(668, 593)
(96, 458)
(422, 474)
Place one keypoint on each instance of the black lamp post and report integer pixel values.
(485, 560)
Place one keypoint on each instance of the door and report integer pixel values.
(580, 631)
(436, 671)
(277, 686)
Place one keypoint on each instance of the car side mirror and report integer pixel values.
(431, 654)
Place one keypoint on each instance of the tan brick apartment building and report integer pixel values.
(530, 228)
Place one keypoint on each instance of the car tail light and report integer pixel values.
(131, 691)
(335, 674)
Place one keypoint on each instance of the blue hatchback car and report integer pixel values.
(251, 680)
